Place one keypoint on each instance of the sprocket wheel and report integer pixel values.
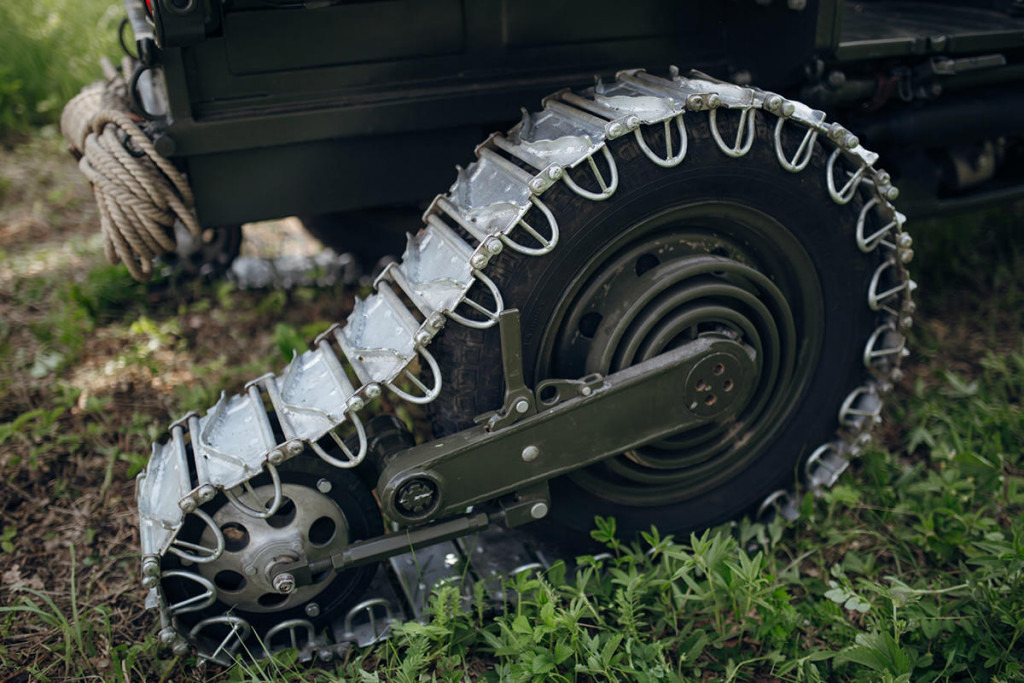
(723, 245)
(322, 509)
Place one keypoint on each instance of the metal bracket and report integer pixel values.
(519, 400)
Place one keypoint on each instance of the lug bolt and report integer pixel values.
(323, 486)
(284, 583)
(530, 453)
(312, 610)
(539, 510)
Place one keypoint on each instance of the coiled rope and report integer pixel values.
(140, 194)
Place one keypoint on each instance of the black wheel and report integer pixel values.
(715, 245)
(368, 234)
(207, 256)
(322, 509)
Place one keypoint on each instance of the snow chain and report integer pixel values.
(499, 205)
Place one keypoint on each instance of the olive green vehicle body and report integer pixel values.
(282, 107)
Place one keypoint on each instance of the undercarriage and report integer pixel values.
(668, 299)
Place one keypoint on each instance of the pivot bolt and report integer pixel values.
(416, 496)
(206, 493)
(284, 583)
(312, 610)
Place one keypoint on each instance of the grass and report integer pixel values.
(911, 569)
(49, 49)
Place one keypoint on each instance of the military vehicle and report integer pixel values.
(667, 295)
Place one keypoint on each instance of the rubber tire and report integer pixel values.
(471, 358)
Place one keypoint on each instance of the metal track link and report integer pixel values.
(495, 204)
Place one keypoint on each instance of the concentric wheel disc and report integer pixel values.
(706, 268)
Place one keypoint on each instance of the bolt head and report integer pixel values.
(373, 390)
(694, 102)
(850, 141)
(356, 404)
(312, 610)
(250, 571)
(616, 129)
(284, 583)
(493, 246)
(773, 102)
(478, 261)
(788, 109)
(555, 172)
(416, 496)
(437, 320)
(206, 493)
(275, 457)
(181, 648)
(530, 453)
(325, 655)
(295, 448)
(188, 505)
(522, 405)
(586, 391)
(150, 567)
(423, 337)
(714, 101)
(536, 185)
(324, 486)
(905, 240)
(539, 510)
(892, 193)
(168, 636)
(906, 255)
(150, 581)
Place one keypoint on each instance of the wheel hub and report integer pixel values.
(674, 283)
(307, 526)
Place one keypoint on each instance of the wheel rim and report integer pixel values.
(696, 269)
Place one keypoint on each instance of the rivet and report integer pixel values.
(530, 453)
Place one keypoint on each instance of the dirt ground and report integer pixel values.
(93, 367)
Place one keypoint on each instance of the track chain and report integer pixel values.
(496, 203)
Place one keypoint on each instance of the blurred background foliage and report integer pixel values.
(49, 49)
